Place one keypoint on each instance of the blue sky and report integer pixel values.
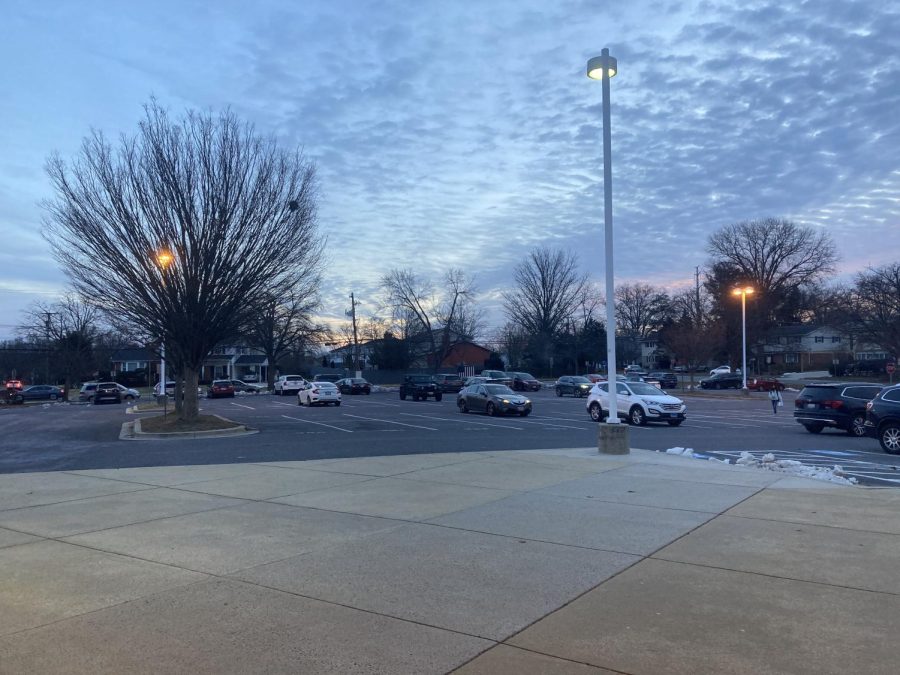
(462, 134)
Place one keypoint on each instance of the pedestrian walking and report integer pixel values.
(775, 397)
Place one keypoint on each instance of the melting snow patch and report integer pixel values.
(794, 468)
(687, 452)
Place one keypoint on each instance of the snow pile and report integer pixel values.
(686, 452)
(794, 468)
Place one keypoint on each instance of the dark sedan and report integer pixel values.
(525, 382)
(723, 381)
(493, 399)
(39, 392)
(573, 385)
(353, 385)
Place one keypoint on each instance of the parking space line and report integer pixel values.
(290, 405)
(241, 405)
(464, 421)
(402, 424)
(321, 424)
(547, 424)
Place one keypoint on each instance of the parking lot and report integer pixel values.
(61, 436)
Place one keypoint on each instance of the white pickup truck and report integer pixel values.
(288, 385)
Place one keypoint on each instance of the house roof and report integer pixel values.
(795, 330)
(251, 360)
(133, 354)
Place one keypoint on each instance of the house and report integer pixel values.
(461, 351)
(805, 347)
(224, 363)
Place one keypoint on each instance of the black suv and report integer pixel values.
(666, 380)
(841, 405)
(419, 387)
(448, 383)
(883, 419)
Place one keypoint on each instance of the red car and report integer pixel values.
(220, 389)
(764, 384)
(14, 384)
(596, 377)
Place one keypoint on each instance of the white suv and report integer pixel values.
(288, 385)
(637, 402)
(720, 369)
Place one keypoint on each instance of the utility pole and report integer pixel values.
(697, 310)
(355, 337)
(47, 325)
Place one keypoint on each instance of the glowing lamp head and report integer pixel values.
(599, 65)
(747, 290)
(164, 259)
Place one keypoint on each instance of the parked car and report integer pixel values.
(722, 381)
(319, 393)
(633, 377)
(327, 377)
(525, 382)
(637, 402)
(247, 387)
(220, 389)
(498, 377)
(720, 369)
(634, 368)
(883, 419)
(288, 384)
(449, 383)
(37, 392)
(107, 391)
(666, 380)
(493, 399)
(764, 384)
(679, 369)
(14, 384)
(86, 393)
(419, 387)
(170, 389)
(573, 385)
(841, 405)
(475, 379)
(353, 385)
(596, 377)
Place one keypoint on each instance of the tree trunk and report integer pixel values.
(178, 393)
(191, 407)
(270, 372)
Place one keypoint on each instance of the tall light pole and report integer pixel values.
(163, 259)
(744, 292)
(613, 436)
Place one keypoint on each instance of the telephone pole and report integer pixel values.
(47, 326)
(355, 337)
(698, 309)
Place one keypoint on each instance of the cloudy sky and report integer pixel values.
(464, 133)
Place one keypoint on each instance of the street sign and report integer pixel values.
(890, 367)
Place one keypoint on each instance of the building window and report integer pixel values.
(790, 358)
(835, 339)
(820, 338)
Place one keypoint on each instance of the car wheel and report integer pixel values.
(814, 428)
(675, 423)
(129, 397)
(637, 417)
(857, 426)
(367, 392)
(337, 403)
(558, 391)
(889, 436)
(491, 410)
(461, 404)
(438, 396)
(299, 401)
(402, 396)
(596, 412)
(52, 397)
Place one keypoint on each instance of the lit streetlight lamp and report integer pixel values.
(612, 436)
(163, 258)
(744, 292)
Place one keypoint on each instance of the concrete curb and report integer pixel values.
(131, 431)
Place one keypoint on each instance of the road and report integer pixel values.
(66, 437)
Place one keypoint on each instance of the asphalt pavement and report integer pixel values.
(722, 424)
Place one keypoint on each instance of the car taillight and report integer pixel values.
(800, 402)
(834, 405)
(869, 405)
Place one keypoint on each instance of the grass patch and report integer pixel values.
(170, 423)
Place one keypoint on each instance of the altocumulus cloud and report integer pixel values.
(463, 134)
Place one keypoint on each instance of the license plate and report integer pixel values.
(810, 406)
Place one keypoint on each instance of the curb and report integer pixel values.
(131, 431)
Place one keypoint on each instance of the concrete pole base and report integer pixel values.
(612, 439)
(745, 391)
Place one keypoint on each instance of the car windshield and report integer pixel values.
(222, 383)
(499, 389)
(580, 380)
(325, 385)
(293, 378)
(644, 389)
(421, 379)
(525, 376)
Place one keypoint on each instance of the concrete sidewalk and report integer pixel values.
(507, 562)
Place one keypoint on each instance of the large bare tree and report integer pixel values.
(875, 307)
(438, 314)
(641, 309)
(548, 291)
(185, 229)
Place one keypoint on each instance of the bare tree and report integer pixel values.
(185, 230)
(694, 343)
(279, 325)
(875, 307)
(436, 315)
(641, 309)
(548, 291)
(68, 330)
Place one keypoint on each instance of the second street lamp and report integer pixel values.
(744, 292)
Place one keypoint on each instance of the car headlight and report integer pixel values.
(527, 401)
(504, 401)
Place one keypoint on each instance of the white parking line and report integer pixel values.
(240, 405)
(547, 424)
(372, 419)
(299, 419)
(464, 421)
(287, 404)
